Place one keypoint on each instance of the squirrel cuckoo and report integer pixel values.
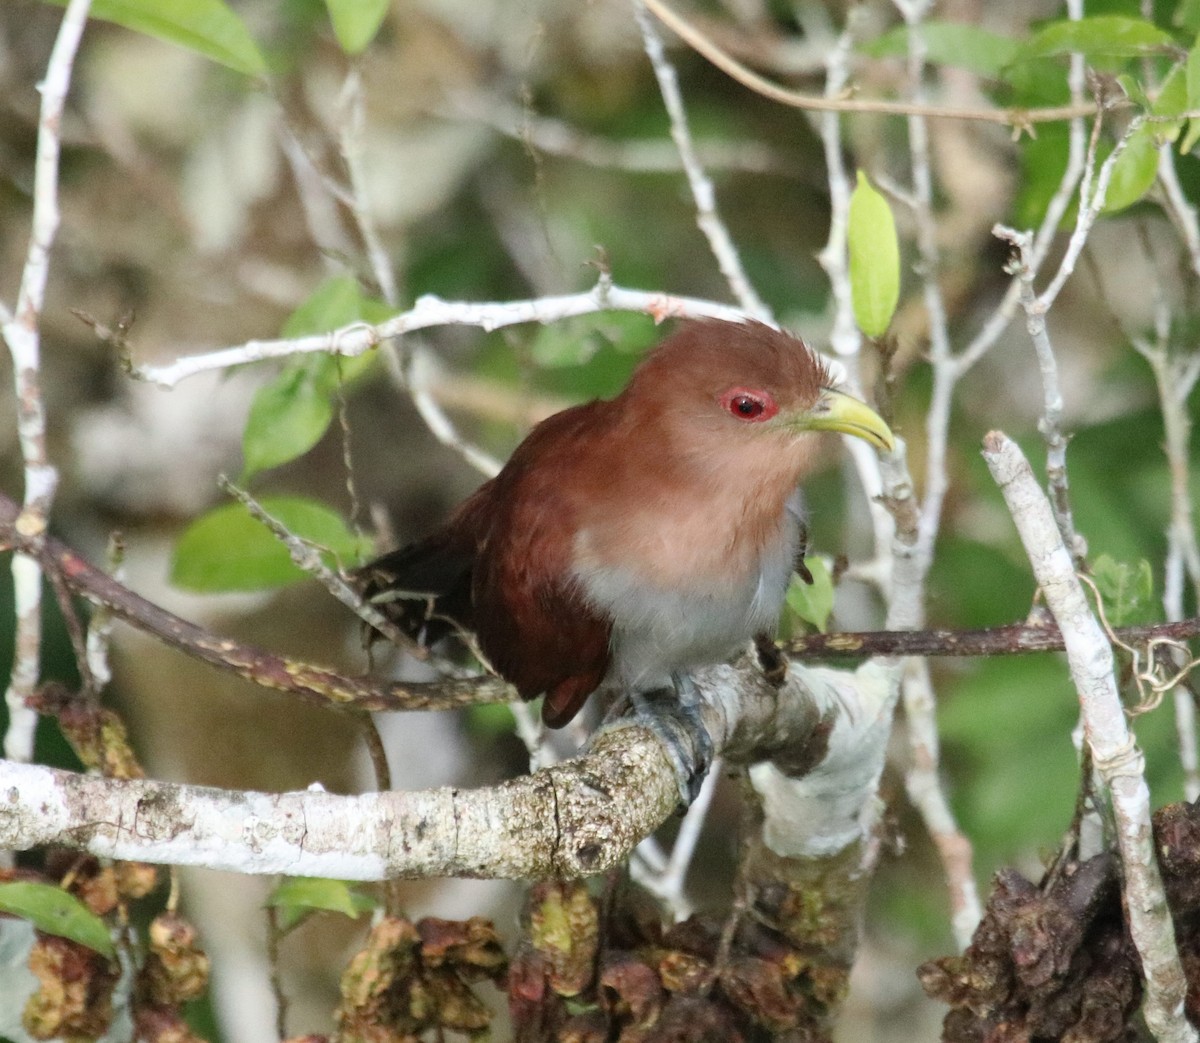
(629, 542)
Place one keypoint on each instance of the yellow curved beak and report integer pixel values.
(837, 411)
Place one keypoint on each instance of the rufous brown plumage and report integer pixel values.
(628, 542)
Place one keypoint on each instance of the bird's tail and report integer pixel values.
(424, 588)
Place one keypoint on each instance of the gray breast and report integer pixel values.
(657, 632)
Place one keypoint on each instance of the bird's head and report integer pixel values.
(742, 381)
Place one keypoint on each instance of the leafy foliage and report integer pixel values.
(291, 413)
(55, 911)
(228, 549)
(874, 259)
(297, 897)
(208, 27)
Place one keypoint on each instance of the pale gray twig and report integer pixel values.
(1114, 753)
(429, 311)
(703, 194)
(307, 556)
(22, 334)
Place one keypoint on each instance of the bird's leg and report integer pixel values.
(673, 714)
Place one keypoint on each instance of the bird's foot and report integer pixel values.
(673, 714)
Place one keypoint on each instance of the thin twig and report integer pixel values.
(353, 105)
(429, 311)
(1175, 379)
(99, 633)
(633, 156)
(703, 193)
(923, 776)
(22, 333)
(1050, 424)
(1091, 204)
(1077, 153)
(306, 556)
(1114, 752)
(1018, 118)
(665, 876)
(274, 937)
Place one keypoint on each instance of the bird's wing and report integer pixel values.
(532, 620)
(533, 624)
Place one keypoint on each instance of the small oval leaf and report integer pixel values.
(296, 897)
(813, 602)
(355, 22)
(874, 259)
(208, 27)
(229, 550)
(956, 44)
(290, 415)
(1133, 172)
(54, 911)
(1100, 36)
(287, 418)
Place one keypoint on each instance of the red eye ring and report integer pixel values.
(749, 404)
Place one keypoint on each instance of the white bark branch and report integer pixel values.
(429, 311)
(22, 334)
(1115, 754)
(703, 193)
(576, 818)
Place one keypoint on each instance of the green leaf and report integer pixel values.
(355, 22)
(812, 603)
(1127, 590)
(1187, 15)
(228, 549)
(54, 911)
(291, 414)
(1173, 95)
(1102, 36)
(1134, 171)
(874, 259)
(953, 43)
(1191, 137)
(296, 897)
(287, 418)
(208, 27)
(1134, 90)
(337, 302)
(490, 720)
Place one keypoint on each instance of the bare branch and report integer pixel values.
(1013, 639)
(576, 818)
(22, 333)
(1016, 118)
(1114, 752)
(429, 311)
(326, 687)
(707, 218)
(1050, 423)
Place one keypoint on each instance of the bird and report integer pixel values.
(628, 542)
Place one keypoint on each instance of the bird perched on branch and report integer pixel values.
(628, 542)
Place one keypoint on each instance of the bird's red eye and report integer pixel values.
(749, 404)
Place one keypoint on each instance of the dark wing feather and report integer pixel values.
(532, 620)
(424, 588)
(501, 567)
